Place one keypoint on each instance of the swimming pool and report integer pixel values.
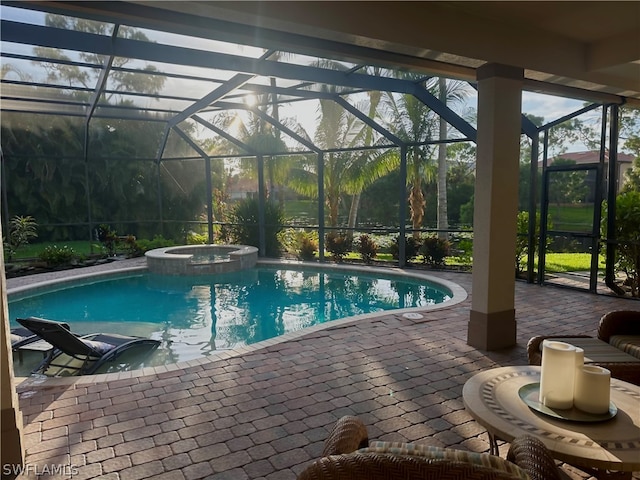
(195, 316)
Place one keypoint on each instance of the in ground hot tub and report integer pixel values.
(201, 259)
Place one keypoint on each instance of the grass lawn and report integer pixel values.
(555, 262)
(32, 250)
(571, 218)
(299, 209)
(570, 262)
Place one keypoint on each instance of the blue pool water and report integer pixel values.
(195, 316)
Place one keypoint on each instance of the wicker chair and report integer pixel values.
(349, 456)
(621, 328)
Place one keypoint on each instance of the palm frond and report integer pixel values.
(304, 182)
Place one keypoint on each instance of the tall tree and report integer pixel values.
(451, 93)
(414, 122)
(261, 137)
(632, 177)
(443, 216)
(121, 80)
(45, 157)
(630, 134)
(374, 96)
(568, 186)
(460, 179)
(345, 172)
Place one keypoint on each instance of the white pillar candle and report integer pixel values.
(557, 374)
(579, 360)
(593, 389)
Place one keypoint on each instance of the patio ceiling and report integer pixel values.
(588, 45)
(593, 46)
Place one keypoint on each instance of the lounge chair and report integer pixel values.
(21, 336)
(83, 355)
(24, 339)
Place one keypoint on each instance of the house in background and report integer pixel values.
(239, 188)
(625, 162)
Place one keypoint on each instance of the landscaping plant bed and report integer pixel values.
(22, 268)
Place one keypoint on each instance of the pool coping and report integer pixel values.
(459, 294)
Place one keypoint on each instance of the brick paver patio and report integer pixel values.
(264, 413)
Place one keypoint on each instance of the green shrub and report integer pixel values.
(367, 247)
(434, 250)
(21, 230)
(462, 248)
(194, 238)
(384, 242)
(288, 238)
(55, 256)
(522, 239)
(411, 248)
(308, 248)
(108, 238)
(221, 233)
(158, 242)
(244, 225)
(338, 245)
(628, 238)
(111, 242)
(466, 212)
(131, 247)
(300, 243)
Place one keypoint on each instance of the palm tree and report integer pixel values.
(375, 97)
(345, 172)
(414, 122)
(448, 93)
(443, 217)
(262, 138)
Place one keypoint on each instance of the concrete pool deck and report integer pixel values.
(264, 412)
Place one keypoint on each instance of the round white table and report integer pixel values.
(492, 398)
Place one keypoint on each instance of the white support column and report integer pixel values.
(492, 324)
(11, 417)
